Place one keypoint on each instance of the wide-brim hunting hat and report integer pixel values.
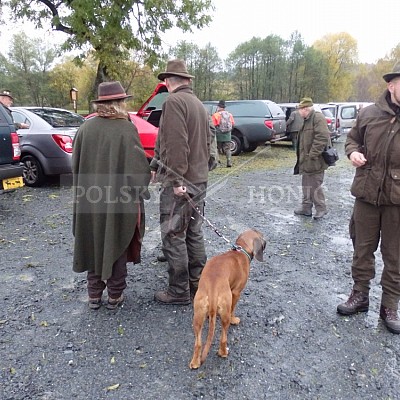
(221, 104)
(6, 93)
(394, 74)
(175, 68)
(305, 102)
(109, 91)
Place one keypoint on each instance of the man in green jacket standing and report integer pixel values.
(373, 147)
(184, 149)
(312, 139)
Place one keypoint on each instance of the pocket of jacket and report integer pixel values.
(359, 183)
(395, 187)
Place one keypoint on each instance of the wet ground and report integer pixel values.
(290, 343)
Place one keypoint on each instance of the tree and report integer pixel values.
(340, 50)
(29, 63)
(113, 28)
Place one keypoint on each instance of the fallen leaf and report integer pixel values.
(13, 371)
(112, 387)
(120, 330)
(44, 324)
(112, 360)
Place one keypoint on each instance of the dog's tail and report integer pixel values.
(212, 318)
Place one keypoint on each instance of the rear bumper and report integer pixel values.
(10, 171)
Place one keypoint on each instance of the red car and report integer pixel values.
(147, 133)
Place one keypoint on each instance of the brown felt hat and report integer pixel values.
(305, 102)
(175, 68)
(394, 74)
(109, 91)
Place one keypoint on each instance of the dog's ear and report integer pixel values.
(259, 246)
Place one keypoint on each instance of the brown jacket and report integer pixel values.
(111, 175)
(312, 140)
(376, 134)
(184, 139)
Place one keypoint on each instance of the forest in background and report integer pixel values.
(262, 68)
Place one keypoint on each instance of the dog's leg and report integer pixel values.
(235, 298)
(200, 314)
(225, 316)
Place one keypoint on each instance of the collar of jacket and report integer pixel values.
(183, 88)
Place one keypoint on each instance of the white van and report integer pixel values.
(346, 114)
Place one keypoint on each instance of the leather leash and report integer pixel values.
(233, 246)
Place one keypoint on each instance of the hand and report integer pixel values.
(357, 159)
(179, 190)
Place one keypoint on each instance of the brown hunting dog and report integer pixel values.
(221, 282)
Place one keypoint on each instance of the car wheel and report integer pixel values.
(32, 171)
(236, 145)
(252, 147)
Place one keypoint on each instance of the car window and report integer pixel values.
(58, 118)
(20, 118)
(348, 112)
(327, 113)
(157, 101)
(276, 111)
(246, 109)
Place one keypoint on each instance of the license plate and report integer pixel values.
(13, 183)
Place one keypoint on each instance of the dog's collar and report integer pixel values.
(240, 248)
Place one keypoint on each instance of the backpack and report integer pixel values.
(225, 124)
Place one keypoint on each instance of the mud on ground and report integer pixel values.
(290, 343)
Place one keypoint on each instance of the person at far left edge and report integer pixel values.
(184, 151)
(110, 180)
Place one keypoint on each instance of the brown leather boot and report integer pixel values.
(390, 319)
(357, 302)
(165, 297)
(303, 211)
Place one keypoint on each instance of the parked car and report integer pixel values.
(326, 109)
(288, 108)
(46, 145)
(147, 133)
(10, 152)
(256, 122)
(346, 113)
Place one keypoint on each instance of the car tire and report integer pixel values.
(236, 145)
(32, 171)
(250, 148)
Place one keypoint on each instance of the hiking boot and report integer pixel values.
(303, 211)
(161, 258)
(357, 302)
(94, 303)
(320, 214)
(165, 297)
(115, 303)
(390, 319)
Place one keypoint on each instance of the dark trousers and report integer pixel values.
(368, 225)
(313, 194)
(115, 284)
(182, 238)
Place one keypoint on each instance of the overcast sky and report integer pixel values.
(374, 25)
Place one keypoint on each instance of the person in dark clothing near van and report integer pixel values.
(373, 147)
(312, 140)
